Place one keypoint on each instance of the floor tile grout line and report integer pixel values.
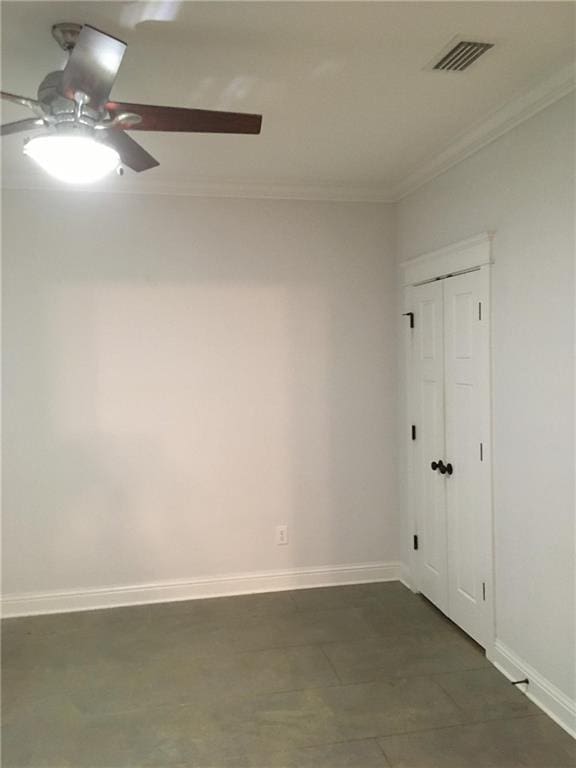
(293, 601)
(463, 709)
(375, 634)
(331, 665)
(459, 725)
(183, 704)
(359, 740)
(406, 676)
(450, 697)
(310, 643)
(338, 684)
(331, 686)
(500, 718)
(381, 748)
(376, 737)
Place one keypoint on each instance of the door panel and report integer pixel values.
(428, 393)
(466, 338)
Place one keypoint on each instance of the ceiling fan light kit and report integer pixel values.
(85, 135)
(73, 159)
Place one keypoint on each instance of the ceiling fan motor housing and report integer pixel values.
(48, 89)
(61, 108)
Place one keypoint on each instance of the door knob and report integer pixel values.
(442, 468)
(449, 468)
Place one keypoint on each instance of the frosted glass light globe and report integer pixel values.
(74, 159)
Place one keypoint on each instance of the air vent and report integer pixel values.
(462, 55)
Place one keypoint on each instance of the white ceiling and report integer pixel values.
(344, 88)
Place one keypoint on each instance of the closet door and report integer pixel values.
(466, 383)
(429, 491)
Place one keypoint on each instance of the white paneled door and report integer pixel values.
(452, 486)
(430, 488)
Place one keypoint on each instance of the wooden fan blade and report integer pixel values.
(30, 124)
(131, 153)
(92, 66)
(155, 118)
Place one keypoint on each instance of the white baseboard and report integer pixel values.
(541, 691)
(191, 589)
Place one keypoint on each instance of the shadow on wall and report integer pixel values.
(171, 399)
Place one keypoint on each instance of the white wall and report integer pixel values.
(182, 375)
(522, 187)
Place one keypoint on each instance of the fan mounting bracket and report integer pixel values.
(66, 34)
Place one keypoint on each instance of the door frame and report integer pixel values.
(459, 257)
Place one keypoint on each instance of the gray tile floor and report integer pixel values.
(367, 676)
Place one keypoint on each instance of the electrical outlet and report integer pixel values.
(281, 534)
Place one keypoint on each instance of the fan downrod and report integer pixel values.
(66, 35)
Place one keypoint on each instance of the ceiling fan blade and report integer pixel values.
(131, 153)
(156, 118)
(30, 124)
(24, 101)
(92, 66)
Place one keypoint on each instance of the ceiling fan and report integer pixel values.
(85, 134)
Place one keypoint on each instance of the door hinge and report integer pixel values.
(479, 310)
(413, 431)
(415, 542)
(484, 590)
(481, 451)
(411, 316)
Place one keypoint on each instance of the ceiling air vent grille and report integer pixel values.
(462, 55)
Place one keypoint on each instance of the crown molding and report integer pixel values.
(498, 123)
(246, 189)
